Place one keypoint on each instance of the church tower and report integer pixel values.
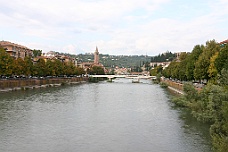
(96, 57)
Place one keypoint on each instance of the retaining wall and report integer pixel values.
(19, 83)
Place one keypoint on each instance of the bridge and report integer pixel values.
(110, 77)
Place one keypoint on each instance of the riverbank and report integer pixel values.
(174, 86)
(208, 105)
(25, 84)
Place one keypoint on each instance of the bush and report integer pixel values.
(163, 85)
(180, 101)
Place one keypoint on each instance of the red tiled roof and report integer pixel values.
(226, 41)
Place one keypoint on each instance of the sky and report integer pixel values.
(116, 27)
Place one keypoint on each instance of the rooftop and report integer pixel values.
(5, 43)
(224, 42)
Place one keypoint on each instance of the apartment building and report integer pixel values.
(16, 50)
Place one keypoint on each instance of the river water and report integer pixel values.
(98, 117)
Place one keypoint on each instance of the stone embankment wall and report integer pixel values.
(173, 84)
(177, 87)
(16, 84)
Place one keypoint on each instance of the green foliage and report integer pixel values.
(211, 106)
(28, 66)
(58, 67)
(96, 70)
(111, 61)
(40, 68)
(223, 78)
(190, 92)
(37, 53)
(212, 71)
(163, 85)
(221, 62)
(182, 67)
(168, 56)
(219, 130)
(180, 101)
(79, 71)
(203, 63)
(6, 63)
(10, 66)
(191, 59)
(19, 67)
(210, 99)
(156, 70)
(201, 68)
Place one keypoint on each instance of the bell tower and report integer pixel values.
(96, 57)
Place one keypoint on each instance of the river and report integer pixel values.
(98, 117)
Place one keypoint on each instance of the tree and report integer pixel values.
(50, 67)
(40, 68)
(96, 70)
(172, 70)
(6, 63)
(202, 64)
(28, 66)
(223, 78)
(182, 67)
(212, 71)
(37, 53)
(191, 59)
(222, 60)
(69, 69)
(157, 70)
(79, 71)
(58, 67)
(19, 67)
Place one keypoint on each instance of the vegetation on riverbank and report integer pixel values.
(207, 97)
(18, 67)
(210, 105)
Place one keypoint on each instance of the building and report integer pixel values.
(52, 55)
(163, 64)
(49, 54)
(16, 50)
(96, 57)
(87, 65)
(223, 42)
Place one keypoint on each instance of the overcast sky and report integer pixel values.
(116, 27)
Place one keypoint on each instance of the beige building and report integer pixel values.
(163, 64)
(52, 55)
(16, 50)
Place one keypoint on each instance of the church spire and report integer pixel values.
(96, 56)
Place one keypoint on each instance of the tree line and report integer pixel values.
(164, 57)
(10, 66)
(205, 62)
(210, 105)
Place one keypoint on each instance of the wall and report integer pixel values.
(15, 83)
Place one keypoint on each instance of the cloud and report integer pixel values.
(116, 27)
(71, 49)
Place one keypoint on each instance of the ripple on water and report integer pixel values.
(118, 116)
